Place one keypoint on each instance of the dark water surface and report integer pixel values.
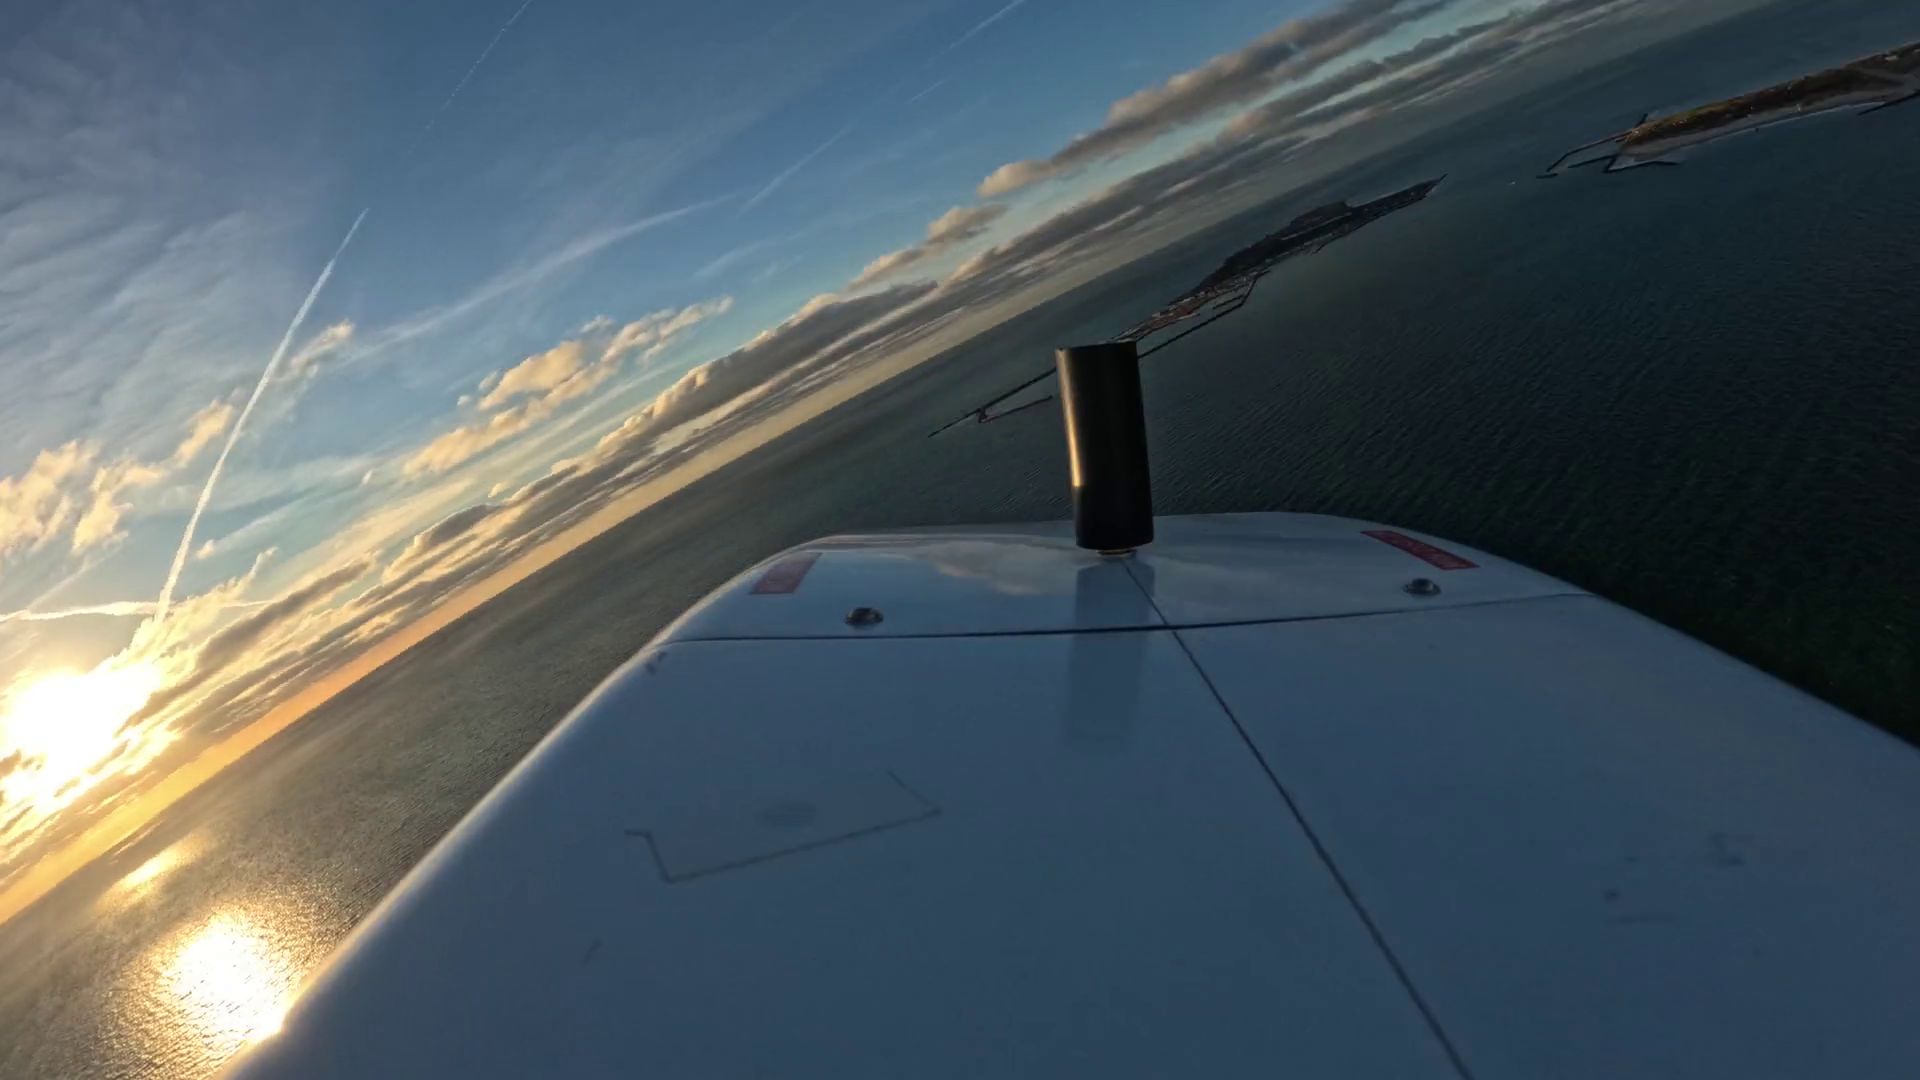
(1691, 390)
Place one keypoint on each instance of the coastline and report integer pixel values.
(1640, 152)
(1872, 83)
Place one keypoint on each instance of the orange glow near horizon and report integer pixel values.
(135, 813)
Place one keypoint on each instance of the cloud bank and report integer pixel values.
(533, 390)
(69, 491)
(949, 230)
(1294, 50)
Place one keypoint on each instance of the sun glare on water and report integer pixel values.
(230, 982)
(216, 983)
(66, 726)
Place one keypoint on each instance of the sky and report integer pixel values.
(315, 318)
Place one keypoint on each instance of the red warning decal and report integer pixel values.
(786, 575)
(1420, 549)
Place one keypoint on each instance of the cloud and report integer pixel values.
(101, 523)
(1067, 236)
(956, 226)
(962, 223)
(468, 441)
(824, 328)
(164, 641)
(227, 644)
(1436, 65)
(536, 375)
(1242, 157)
(1291, 51)
(125, 299)
(259, 529)
(46, 500)
(521, 277)
(208, 424)
(1015, 175)
(323, 346)
(171, 645)
(467, 545)
(37, 505)
(455, 526)
(534, 389)
(649, 336)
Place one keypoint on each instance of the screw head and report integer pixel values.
(863, 617)
(1423, 587)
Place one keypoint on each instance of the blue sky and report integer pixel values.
(593, 233)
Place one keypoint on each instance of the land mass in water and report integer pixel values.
(1240, 271)
(1877, 82)
(1226, 289)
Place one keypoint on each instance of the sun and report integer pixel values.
(65, 725)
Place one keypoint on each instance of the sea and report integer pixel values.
(1694, 390)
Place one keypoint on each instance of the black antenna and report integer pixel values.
(1106, 445)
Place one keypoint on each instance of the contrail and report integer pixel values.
(982, 25)
(927, 91)
(240, 425)
(116, 609)
(266, 376)
(774, 184)
(484, 53)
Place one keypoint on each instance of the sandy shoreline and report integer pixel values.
(1871, 83)
(1638, 153)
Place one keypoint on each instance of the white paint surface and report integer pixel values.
(1011, 831)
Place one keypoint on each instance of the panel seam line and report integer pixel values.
(1137, 628)
(1320, 850)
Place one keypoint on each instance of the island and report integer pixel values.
(1222, 292)
(1226, 288)
(1871, 83)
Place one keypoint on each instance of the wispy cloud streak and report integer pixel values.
(518, 278)
(777, 182)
